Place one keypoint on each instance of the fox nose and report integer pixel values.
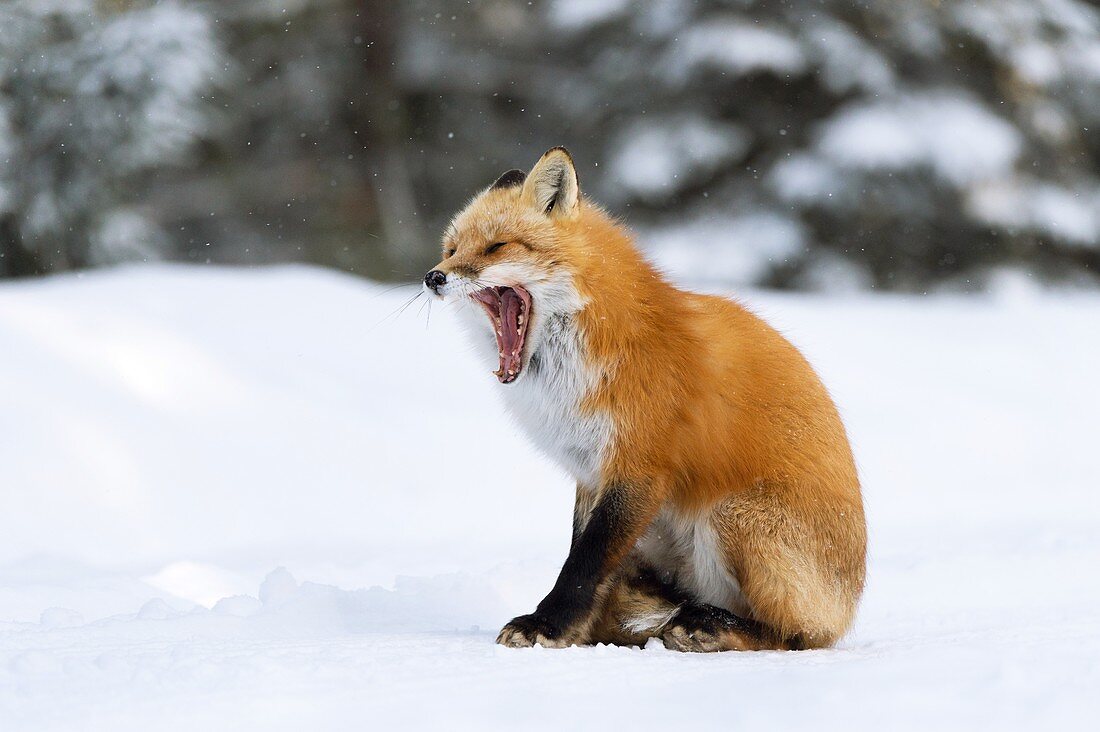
(434, 280)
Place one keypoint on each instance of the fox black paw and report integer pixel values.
(529, 630)
(706, 629)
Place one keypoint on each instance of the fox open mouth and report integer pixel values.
(509, 310)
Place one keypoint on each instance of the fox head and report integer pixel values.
(513, 254)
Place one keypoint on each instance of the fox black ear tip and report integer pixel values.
(558, 149)
(509, 179)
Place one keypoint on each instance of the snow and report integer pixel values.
(582, 14)
(735, 46)
(847, 61)
(806, 177)
(957, 137)
(1037, 63)
(1071, 215)
(953, 135)
(654, 158)
(724, 249)
(1062, 37)
(262, 499)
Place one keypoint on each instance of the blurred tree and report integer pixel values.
(94, 97)
(311, 158)
(795, 143)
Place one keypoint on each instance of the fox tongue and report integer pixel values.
(508, 310)
(511, 336)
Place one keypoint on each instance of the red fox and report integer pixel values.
(718, 505)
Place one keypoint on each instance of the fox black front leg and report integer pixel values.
(563, 616)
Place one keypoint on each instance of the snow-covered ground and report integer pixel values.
(263, 500)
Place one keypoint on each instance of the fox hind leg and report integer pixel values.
(699, 628)
(802, 574)
(638, 606)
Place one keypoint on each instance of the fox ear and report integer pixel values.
(508, 179)
(552, 185)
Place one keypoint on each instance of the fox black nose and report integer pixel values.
(434, 280)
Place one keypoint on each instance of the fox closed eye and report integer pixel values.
(493, 247)
(449, 253)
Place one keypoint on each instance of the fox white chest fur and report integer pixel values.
(546, 400)
(546, 403)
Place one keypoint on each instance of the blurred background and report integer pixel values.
(805, 144)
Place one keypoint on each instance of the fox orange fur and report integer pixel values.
(718, 505)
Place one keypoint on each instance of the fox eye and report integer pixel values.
(449, 253)
(493, 247)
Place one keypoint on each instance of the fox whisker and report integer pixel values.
(398, 311)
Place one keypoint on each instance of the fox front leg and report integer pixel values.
(562, 618)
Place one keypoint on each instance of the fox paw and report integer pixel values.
(691, 639)
(705, 629)
(700, 629)
(530, 630)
